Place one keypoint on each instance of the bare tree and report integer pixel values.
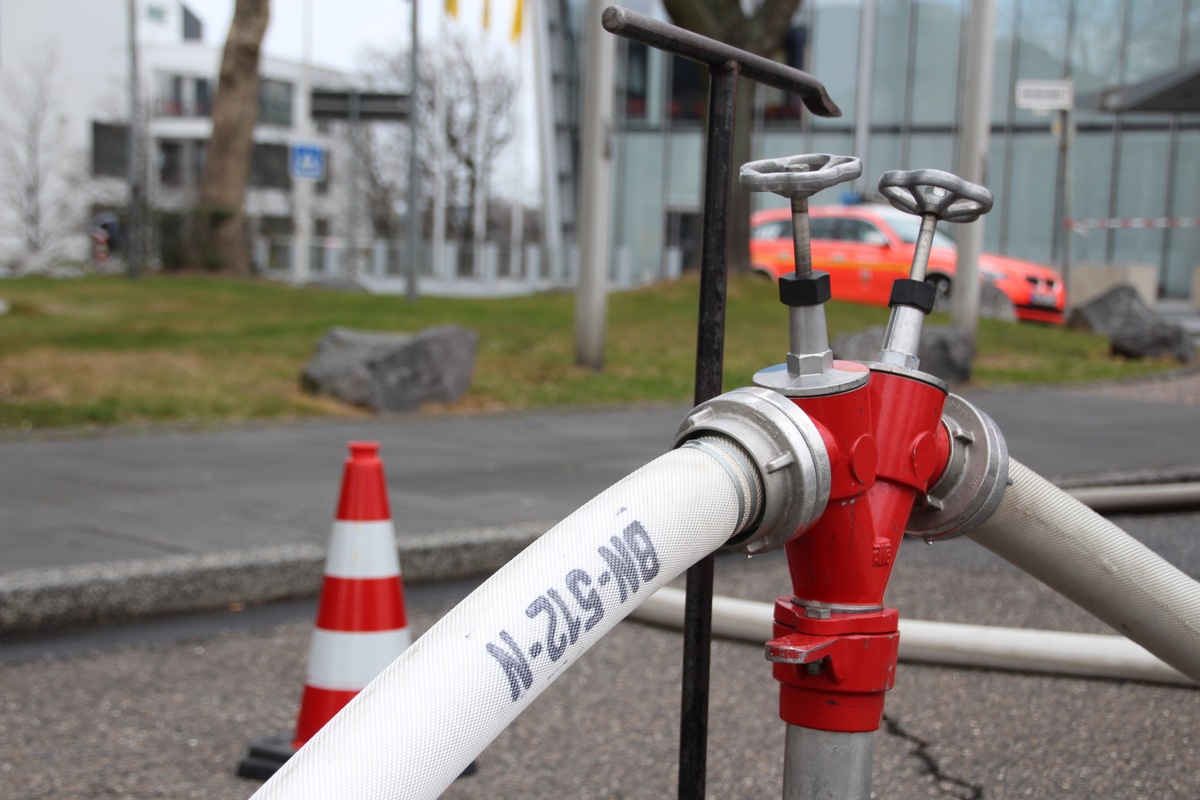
(760, 31)
(36, 169)
(219, 226)
(480, 91)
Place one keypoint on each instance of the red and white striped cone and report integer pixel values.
(361, 624)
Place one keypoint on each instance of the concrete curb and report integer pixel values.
(41, 600)
(44, 600)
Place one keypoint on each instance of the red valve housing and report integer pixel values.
(835, 644)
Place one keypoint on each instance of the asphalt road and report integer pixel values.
(165, 709)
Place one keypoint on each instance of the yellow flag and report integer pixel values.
(487, 14)
(517, 20)
(452, 7)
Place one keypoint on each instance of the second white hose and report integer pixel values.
(413, 730)
(1092, 562)
(1056, 652)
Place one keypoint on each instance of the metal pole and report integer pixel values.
(1067, 133)
(864, 89)
(595, 201)
(827, 765)
(973, 137)
(414, 129)
(438, 153)
(356, 154)
(302, 188)
(133, 236)
(710, 346)
(479, 208)
(554, 248)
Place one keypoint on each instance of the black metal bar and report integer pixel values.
(673, 39)
(710, 350)
(725, 64)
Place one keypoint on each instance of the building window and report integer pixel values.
(193, 27)
(275, 102)
(110, 150)
(778, 105)
(269, 167)
(689, 89)
(636, 80)
(183, 96)
(203, 97)
(198, 156)
(170, 163)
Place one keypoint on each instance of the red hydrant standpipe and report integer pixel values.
(835, 645)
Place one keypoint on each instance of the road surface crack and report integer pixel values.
(957, 788)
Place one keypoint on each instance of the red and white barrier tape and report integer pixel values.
(1082, 225)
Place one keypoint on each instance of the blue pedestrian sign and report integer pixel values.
(307, 162)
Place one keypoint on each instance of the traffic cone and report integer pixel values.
(361, 624)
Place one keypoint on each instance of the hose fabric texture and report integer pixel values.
(414, 729)
(1092, 562)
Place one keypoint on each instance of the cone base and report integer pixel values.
(264, 757)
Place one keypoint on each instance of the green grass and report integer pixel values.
(103, 351)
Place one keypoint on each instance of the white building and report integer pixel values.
(64, 115)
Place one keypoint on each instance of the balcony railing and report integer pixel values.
(182, 108)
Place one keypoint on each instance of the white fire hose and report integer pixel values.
(992, 647)
(1081, 555)
(414, 729)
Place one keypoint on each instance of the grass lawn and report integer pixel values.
(100, 351)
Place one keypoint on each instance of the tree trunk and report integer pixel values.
(219, 222)
(760, 32)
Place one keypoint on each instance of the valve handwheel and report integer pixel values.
(799, 176)
(931, 191)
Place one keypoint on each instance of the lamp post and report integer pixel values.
(134, 229)
(414, 128)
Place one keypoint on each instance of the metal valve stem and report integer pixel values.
(809, 360)
(932, 195)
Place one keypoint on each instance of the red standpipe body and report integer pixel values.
(835, 643)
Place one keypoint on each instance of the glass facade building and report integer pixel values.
(1121, 165)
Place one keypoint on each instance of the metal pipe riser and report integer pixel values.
(821, 765)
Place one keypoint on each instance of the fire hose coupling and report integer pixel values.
(972, 484)
(786, 452)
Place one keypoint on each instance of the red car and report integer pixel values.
(864, 248)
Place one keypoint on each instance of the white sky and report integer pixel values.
(342, 28)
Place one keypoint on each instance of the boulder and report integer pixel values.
(1134, 330)
(944, 352)
(993, 303)
(392, 371)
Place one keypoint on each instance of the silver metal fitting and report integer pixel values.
(788, 452)
(973, 483)
(841, 377)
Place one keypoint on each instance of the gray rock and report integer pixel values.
(995, 304)
(1134, 330)
(944, 352)
(392, 371)
(1156, 340)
